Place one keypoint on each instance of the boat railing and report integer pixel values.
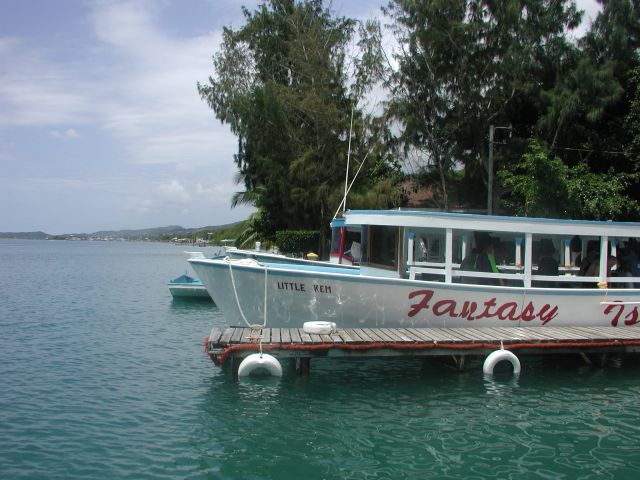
(514, 273)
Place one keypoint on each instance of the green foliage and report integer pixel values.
(543, 186)
(632, 122)
(286, 83)
(297, 241)
(467, 64)
(288, 80)
(601, 196)
(538, 185)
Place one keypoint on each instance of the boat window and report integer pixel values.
(428, 247)
(627, 253)
(350, 241)
(379, 246)
(336, 233)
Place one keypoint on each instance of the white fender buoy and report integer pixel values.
(496, 357)
(260, 362)
(319, 328)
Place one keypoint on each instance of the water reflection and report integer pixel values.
(496, 385)
(191, 303)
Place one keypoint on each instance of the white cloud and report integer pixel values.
(142, 91)
(174, 191)
(139, 205)
(68, 134)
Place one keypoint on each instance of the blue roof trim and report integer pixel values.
(497, 218)
(337, 222)
(311, 268)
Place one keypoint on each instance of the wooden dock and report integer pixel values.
(235, 343)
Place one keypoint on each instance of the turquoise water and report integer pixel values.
(103, 376)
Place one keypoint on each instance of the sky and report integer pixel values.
(101, 123)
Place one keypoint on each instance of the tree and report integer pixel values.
(282, 83)
(467, 64)
(544, 186)
(632, 122)
(611, 50)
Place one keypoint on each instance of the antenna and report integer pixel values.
(346, 178)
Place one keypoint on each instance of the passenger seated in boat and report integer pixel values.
(485, 260)
(630, 260)
(591, 256)
(575, 246)
(594, 270)
(355, 251)
(468, 264)
(547, 264)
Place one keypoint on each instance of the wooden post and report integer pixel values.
(304, 366)
(235, 365)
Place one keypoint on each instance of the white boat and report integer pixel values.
(423, 269)
(186, 286)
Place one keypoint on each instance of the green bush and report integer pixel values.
(297, 241)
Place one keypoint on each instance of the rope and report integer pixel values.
(604, 285)
(235, 294)
(254, 327)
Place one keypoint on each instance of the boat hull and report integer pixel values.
(188, 287)
(295, 295)
(189, 291)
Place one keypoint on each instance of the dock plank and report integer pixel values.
(434, 334)
(266, 335)
(427, 334)
(215, 334)
(285, 335)
(366, 335)
(295, 335)
(225, 338)
(353, 334)
(511, 333)
(305, 337)
(485, 334)
(455, 335)
(402, 336)
(383, 334)
(315, 338)
(237, 335)
(344, 336)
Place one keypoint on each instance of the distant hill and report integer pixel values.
(25, 235)
(141, 232)
(157, 233)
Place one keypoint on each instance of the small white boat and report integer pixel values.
(421, 269)
(185, 286)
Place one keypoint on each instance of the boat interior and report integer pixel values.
(511, 258)
(483, 250)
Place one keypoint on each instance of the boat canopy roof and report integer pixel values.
(337, 222)
(474, 222)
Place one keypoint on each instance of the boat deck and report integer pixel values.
(235, 343)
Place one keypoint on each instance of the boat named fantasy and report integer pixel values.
(435, 269)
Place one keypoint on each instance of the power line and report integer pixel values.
(592, 150)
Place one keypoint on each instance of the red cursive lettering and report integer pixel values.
(511, 311)
(618, 309)
(424, 303)
(545, 316)
(468, 309)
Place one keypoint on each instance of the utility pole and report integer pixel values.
(492, 131)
